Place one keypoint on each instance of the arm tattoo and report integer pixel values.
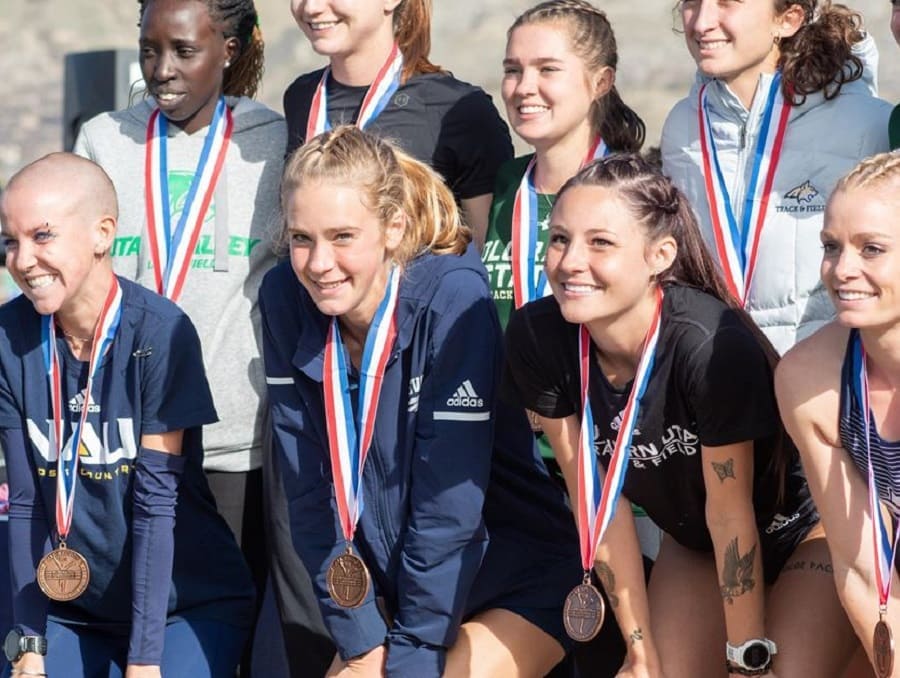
(636, 635)
(725, 470)
(737, 572)
(608, 580)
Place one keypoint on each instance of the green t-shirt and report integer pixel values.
(498, 244)
(496, 255)
(894, 128)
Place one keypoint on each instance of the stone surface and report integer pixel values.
(469, 37)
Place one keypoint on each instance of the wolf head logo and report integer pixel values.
(804, 193)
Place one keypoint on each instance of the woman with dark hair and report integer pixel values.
(781, 109)
(197, 166)
(647, 376)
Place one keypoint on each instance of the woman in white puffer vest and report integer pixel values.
(783, 106)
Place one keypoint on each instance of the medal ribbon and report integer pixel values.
(171, 250)
(597, 507)
(67, 465)
(885, 548)
(737, 244)
(386, 82)
(529, 284)
(349, 438)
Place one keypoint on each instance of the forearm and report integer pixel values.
(740, 572)
(157, 476)
(858, 594)
(620, 569)
(29, 535)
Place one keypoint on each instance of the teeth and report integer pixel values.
(712, 44)
(329, 286)
(853, 296)
(533, 109)
(40, 281)
(579, 289)
(166, 97)
(322, 25)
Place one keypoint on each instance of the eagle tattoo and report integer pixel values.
(737, 572)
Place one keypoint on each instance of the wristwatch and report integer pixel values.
(17, 644)
(752, 657)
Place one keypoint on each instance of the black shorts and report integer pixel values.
(783, 532)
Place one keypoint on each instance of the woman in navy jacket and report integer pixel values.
(382, 281)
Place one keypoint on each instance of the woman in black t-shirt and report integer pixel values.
(380, 57)
(636, 298)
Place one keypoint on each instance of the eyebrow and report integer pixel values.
(539, 60)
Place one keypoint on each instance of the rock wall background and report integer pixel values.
(468, 37)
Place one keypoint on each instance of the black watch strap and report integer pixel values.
(35, 644)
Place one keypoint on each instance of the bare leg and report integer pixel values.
(686, 613)
(501, 643)
(805, 617)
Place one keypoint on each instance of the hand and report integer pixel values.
(368, 665)
(31, 662)
(142, 671)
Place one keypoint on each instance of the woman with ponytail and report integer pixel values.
(383, 354)
(197, 166)
(783, 106)
(379, 78)
(654, 387)
(560, 94)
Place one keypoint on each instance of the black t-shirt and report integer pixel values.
(441, 121)
(711, 385)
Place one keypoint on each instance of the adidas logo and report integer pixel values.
(77, 403)
(465, 396)
(779, 522)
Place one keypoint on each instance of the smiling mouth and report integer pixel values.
(574, 288)
(326, 286)
(850, 295)
(533, 108)
(167, 97)
(711, 45)
(321, 25)
(40, 281)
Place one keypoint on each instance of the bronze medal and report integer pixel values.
(348, 580)
(883, 649)
(63, 574)
(583, 612)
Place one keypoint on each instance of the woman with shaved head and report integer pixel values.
(100, 423)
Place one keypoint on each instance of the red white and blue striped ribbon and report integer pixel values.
(885, 546)
(67, 460)
(529, 282)
(349, 436)
(737, 244)
(597, 507)
(171, 250)
(386, 82)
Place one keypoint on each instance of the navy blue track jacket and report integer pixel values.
(433, 468)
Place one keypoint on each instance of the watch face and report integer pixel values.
(11, 647)
(756, 656)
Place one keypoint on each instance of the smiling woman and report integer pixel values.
(837, 391)
(783, 105)
(197, 166)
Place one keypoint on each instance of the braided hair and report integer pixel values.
(237, 19)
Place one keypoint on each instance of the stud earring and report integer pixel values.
(227, 64)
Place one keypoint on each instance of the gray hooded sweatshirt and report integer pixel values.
(233, 252)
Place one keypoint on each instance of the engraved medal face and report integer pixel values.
(583, 613)
(63, 574)
(883, 649)
(348, 580)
